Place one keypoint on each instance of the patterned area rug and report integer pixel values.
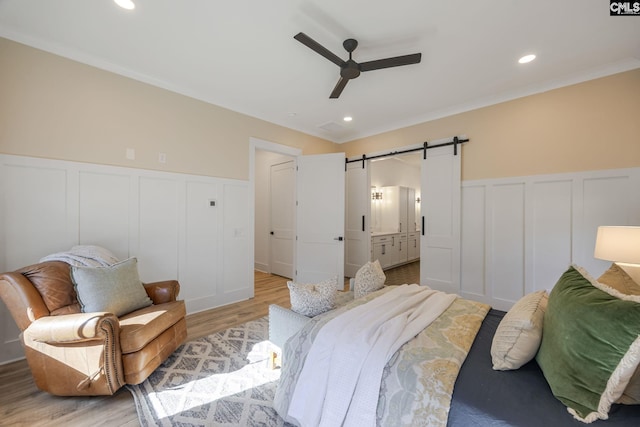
(219, 380)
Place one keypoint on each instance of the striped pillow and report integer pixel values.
(518, 336)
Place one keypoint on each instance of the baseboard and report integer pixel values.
(263, 268)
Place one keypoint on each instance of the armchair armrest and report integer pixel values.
(162, 292)
(22, 299)
(73, 328)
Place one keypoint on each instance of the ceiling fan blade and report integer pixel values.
(391, 62)
(339, 87)
(317, 47)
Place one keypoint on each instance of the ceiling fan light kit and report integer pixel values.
(351, 69)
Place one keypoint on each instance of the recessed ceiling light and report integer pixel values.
(125, 4)
(348, 118)
(527, 58)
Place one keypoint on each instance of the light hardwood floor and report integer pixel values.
(22, 404)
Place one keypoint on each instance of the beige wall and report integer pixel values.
(56, 108)
(588, 126)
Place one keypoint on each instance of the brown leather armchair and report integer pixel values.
(71, 353)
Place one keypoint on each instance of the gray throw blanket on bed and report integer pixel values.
(417, 382)
(84, 256)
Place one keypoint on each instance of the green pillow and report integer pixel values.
(590, 345)
(115, 289)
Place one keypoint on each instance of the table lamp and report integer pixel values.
(620, 244)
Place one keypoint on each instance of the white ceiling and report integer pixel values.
(240, 54)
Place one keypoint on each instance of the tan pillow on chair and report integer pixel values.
(518, 336)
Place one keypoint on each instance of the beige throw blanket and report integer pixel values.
(340, 379)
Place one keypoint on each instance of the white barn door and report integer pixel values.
(320, 218)
(440, 222)
(357, 217)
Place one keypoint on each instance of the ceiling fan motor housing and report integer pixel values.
(351, 70)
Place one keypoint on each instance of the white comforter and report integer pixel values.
(340, 379)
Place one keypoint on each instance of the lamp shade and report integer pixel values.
(618, 244)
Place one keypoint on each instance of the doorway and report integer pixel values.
(262, 155)
(395, 212)
(319, 212)
(274, 213)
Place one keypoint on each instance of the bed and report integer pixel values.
(484, 397)
(480, 395)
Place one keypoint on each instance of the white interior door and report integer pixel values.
(320, 218)
(440, 210)
(357, 216)
(282, 191)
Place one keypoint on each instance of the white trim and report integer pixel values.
(96, 167)
(601, 173)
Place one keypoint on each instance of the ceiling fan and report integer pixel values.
(350, 69)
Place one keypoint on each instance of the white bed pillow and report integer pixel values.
(369, 278)
(518, 336)
(313, 299)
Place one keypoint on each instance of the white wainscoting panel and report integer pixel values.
(551, 207)
(604, 200)
(36, 213)
(236, 282)
(34, 216)
(520, 234)
(472, 277)
(159, 227)
(105, 211)
(164, 219)
(200, 257)
(507, 241)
